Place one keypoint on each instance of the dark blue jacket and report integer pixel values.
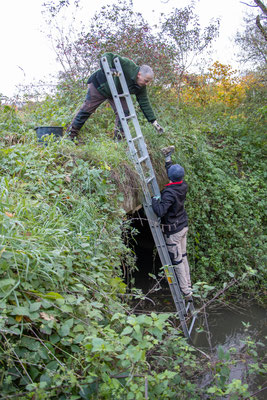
(171, 207)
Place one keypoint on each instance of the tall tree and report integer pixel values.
(182, 32)
(169, 48)
(117, 28)
(253, 40)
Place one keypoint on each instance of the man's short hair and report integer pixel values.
(146, 70)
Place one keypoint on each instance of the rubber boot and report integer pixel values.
(72, 133)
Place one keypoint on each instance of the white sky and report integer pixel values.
(27, 54)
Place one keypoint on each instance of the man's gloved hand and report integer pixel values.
(157, 126)
(114, 72)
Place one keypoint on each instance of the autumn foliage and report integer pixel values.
(220, 85)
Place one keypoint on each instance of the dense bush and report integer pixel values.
(67, 331)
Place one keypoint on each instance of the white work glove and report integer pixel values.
(157, 126)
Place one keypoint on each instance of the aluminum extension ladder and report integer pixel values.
(140, 156)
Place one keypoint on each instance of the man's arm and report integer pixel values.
(145, 105)
(160, 207)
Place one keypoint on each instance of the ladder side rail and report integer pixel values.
(154, 184)
(116, 100)
(170, 272)
(176, 295)
(124, 124)
(164, 255)
(152, 218)
(141, 143)
(126, 93)
(192, 323)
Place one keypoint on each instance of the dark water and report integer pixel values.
(225, 323)
(226, 329)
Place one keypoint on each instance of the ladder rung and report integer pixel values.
(123, 95)
(187, 307)
(148, 180)
(141, 159)
(137, 137)
(130, 116)
(192, 324)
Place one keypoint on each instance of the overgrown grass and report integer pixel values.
(67, 329)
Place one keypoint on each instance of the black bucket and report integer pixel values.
(45, 131)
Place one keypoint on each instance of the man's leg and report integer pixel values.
(173, 243)
(118, 131)
(92, 102)
(184, 255)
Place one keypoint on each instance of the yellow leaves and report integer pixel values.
(219, 85)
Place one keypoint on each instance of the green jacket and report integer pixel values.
(130, 70)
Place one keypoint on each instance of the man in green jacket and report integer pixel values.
(137, 78)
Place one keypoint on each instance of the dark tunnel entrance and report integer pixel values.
(147, 258)
(156, 291)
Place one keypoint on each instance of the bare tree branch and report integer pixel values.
(261, 28)
(249, 5)
(262, 6)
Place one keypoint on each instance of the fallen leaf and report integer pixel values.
(8, 214)
(47, 317)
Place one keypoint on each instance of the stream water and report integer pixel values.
(225, 329)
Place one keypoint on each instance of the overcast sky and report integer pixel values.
(27, 54)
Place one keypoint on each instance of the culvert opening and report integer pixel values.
(147, 258)
(156, 291)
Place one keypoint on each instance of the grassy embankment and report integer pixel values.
(65, 321)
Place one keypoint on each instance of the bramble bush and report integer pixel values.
(67, 331)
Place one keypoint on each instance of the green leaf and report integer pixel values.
(127, 330)
(7, 282)
(95, 304)
(125, 340)
(230, 274)
(52, 296)
(97, 343)
(65, 328)
(78, 338)
(212, 390)
(45, 380)
(21, 311)
(35, 306)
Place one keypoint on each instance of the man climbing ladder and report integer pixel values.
(174, 221)
(141, 159)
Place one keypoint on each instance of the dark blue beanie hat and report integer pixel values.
(175, 173)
